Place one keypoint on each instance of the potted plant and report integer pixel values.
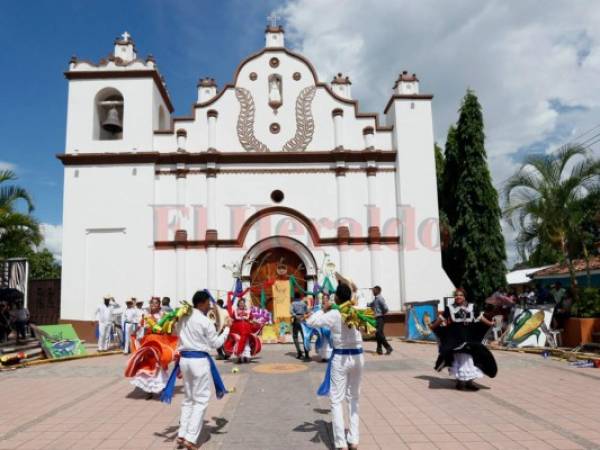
(584, 320)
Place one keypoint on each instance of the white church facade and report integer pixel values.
(275, 168)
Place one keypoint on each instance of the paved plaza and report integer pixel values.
(534, 403)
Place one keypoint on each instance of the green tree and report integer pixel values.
(19, 231)
(439, 166)
(550, 200)
(446, 200)
(450, 175)
(476, 253)
(43, 266)
(439, 172)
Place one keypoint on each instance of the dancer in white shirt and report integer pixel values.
(130, 324)
(344, 370)
(197, 338)
(104, 318)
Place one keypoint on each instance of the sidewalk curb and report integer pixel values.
(70, 358)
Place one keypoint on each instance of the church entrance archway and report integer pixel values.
(276, 264)
(277, 258)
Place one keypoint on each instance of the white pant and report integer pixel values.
(196, 388)
(346, 373)
(104, 329)
(325, 350)
(130, 328)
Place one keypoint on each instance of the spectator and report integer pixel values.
(563, 310)
(298, 311)
(543, 295)
(4, 322)
(380, 308)
(21, 318)
(558, 292)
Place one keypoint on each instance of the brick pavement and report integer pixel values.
(532, 404)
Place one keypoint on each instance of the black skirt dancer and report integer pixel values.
(463, 334)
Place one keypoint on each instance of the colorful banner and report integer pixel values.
(281, 300)
(59, 341)
(419, 317)
(530, 327)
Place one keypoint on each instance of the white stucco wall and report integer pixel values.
(108, 242)
(422, 275)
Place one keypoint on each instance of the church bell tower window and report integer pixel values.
(108, 115)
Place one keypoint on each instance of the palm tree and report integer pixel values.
(18, 231)
(544, 201)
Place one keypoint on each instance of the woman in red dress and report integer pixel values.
(243, 340)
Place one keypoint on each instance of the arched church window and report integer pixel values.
(108, 115)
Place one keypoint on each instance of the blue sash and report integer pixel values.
(326, 384)
(167, 393)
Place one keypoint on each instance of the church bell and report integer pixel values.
(112, 123)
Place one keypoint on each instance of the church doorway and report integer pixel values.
(276, 263)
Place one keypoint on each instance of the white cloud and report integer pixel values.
(521, 58)
(7, 166)
(52, 238)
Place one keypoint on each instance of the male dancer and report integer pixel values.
(197, 338)
(104, 317)
(344, 371)
(130, 324)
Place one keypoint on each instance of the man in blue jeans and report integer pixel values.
(380, 308)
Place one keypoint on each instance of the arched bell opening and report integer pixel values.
(108, 115)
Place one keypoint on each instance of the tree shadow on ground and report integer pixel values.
(443, 383)
(170, 433)
(322, 432)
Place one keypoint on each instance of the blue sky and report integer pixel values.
(534, 65)
(189, 39)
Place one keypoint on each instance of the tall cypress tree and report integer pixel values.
(443, 219)
(476, 250)
(447, 199)
(451, 173)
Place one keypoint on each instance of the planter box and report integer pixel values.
(394, 324)
(579, 331)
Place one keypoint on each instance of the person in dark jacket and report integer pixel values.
(380, 308)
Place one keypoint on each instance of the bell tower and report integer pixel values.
(115, 105)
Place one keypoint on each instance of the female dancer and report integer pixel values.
(461, 329)
(148, 365)
(243, 340)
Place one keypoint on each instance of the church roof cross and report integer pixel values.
(273, 18)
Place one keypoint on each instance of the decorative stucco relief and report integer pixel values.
(305, 124)
(245, 124)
